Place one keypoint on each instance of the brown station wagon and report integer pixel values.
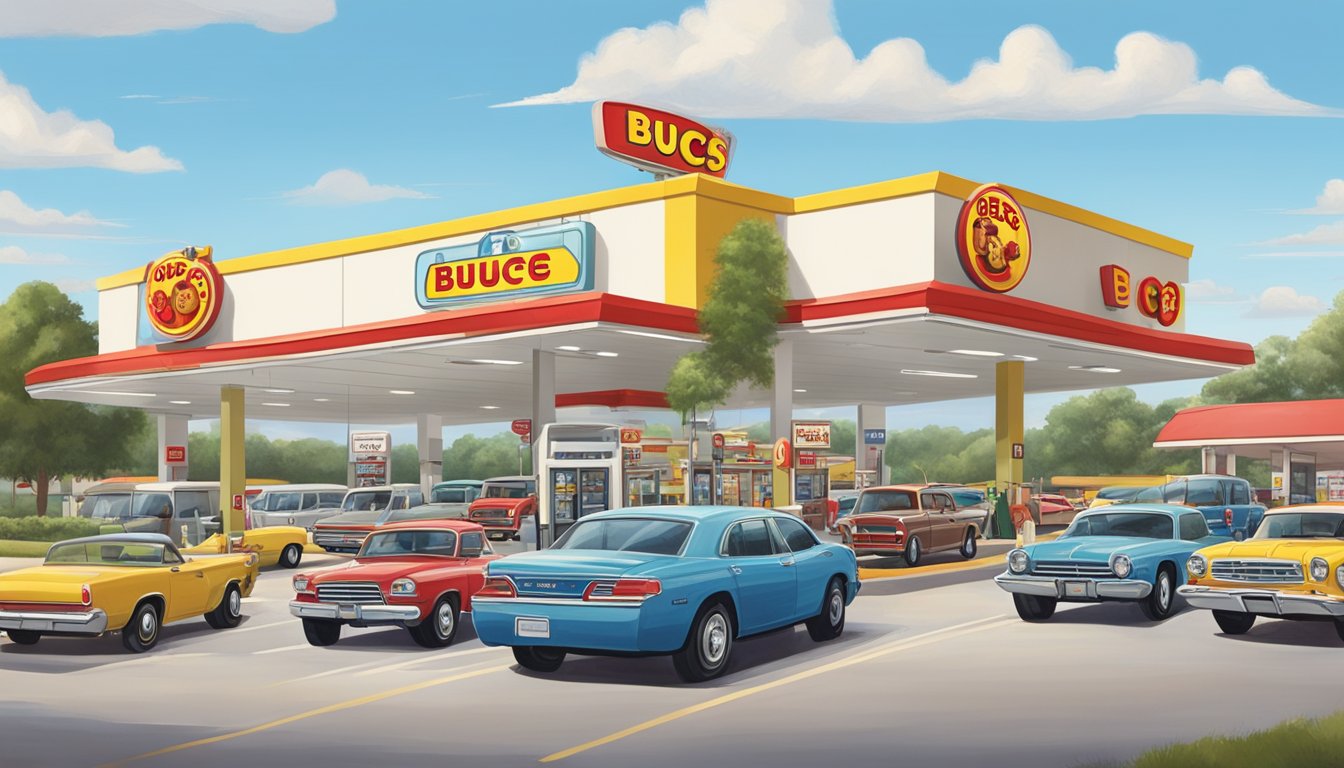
(910, 520)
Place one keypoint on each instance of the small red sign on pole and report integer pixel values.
(630, 435)
(718, 440)
(521, 426)
(175, 454)
(238, 501)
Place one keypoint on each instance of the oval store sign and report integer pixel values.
(508, 264)
(993, 241)
(183, 294)
(660, 142)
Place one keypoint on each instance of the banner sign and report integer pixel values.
(660, 142)
(811, 434)
(507, 265)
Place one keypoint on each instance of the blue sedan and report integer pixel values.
(684, 581)
(1134, 552)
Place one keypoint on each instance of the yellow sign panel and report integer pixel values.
(503, 273)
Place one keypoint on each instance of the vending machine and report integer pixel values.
(579, 466)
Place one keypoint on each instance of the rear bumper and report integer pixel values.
(1090, 589)
(1263, 602)
(340, 539)
(91, 623)
(357, 614)
(608, 627)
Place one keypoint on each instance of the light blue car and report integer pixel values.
(684, 581)
(1134, 552)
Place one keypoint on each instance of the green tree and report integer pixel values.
(739, 320)
(1310, 367)
(477, 458)
(45, 439)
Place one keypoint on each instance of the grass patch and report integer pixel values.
(11, 548)
(1293, 744)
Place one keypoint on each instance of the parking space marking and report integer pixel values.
(250, 628)
(937, 635)
(282, 649)
(330, 708)
(422, 659)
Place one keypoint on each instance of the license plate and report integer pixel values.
(348, 611)
(532, 627)
(1075, 589)
(1262, 605)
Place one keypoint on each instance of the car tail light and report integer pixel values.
(623, 590)
(85, 595)
(497, 586)
(1227, 517)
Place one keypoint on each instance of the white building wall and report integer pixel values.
(630, 250)
(860, 247)
(118, 310)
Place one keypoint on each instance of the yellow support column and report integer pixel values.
(232, 460)
(1009, 388)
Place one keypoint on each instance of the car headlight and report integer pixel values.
(300, 583)
(1197, 566)
(1339, 576)
(403, 587)
(1122, 566)
(1320, 570)
(1017, 561)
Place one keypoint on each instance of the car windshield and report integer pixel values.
(278, 501)
(151, 504)
(106, 506)
(968, 498)
(623, 534)
(846, 504)
(886, 501)
(394, 543)
(366, 501)
(1302, 525)
(1117, 492)
(1141, 524)
(1149, 495)
(127, 553)
(448, 496)
(509, 490)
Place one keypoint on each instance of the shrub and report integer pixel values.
(46, 528)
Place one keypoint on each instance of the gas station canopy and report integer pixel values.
(1262, 430)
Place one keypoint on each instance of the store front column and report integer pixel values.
(543, 395)
(781, 418)
(429, 444)
(871, 456)
(1009, 390)
(172, 447)
(232, 459)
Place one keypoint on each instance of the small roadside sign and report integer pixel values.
(874, 437)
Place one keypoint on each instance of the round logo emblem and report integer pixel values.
(783, 454)
(993, 240)
(182, 293)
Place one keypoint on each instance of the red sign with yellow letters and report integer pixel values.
(993, 240)
(660, 142)
(183, 293)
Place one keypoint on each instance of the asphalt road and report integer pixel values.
(931, 670)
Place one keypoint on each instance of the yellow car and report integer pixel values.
(1292, 568)
(131, 582)
(279, 544)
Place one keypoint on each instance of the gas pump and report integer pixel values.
(578, 473)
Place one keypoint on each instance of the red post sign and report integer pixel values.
(718, 440)
(521, 426)
(807, 459)
(631, 436)
(660, 142)
(175, 454)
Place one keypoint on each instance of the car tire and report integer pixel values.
(229, 612)
(439, 627)
(24, 636)
(321, 632)
(1234, 622)
(830, 620)
(708, 645)
(1159, 603)
(968, 546)
(538, 658)
(142, 632)
(1034, 608)
(914, 553)
(291, 555)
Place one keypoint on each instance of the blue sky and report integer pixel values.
(256, 113)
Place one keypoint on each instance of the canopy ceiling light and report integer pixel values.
(943, 374)
(1094, 368)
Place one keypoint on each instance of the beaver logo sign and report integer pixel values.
(183, 293)
(993, 240)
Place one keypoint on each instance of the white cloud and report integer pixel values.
(31, 137)
(99, 18)
(75, 284)
(1210, 292)
(1330, 201)
(786, 59)
(16, 218)
(1283, 301)
(1326, 234)
(346, 187)
(13, 254)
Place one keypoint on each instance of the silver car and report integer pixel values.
(295, 504)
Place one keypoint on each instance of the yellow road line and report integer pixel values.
(330, 708)
(899, 645)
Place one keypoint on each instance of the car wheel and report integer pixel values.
(440, 626)
(913, 554)
(229, 612)
(1157, 606)
(142, 631)
(291, 555)
(1034, 608)
(830, 620)
(24, 636)
(321, 632)
(537, 658)
(1234, 622)
(969, 547)
(708, 645)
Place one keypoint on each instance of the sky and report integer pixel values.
(133, 128)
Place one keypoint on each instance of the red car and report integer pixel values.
(418, 574)
(504, 506)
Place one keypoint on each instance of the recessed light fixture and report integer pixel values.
(974, 352)
(120, 394)
(942, 374)
(279, 391)
(663, 336)
(277, 405)
(800, 390)
(1094, 368)
(1026, 358)
(607, 354)
(490, 407)
(321, 399)
(487, 361)
(568, 348)
(401, 391)
(180, 402)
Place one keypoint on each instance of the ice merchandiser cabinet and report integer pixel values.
(579, 469)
